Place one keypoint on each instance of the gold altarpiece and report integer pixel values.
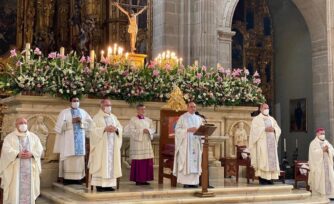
(252, 45)
(79, 25)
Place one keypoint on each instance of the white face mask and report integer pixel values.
(23, 127)
(322, 137)
(107, 109)
(75, 104)
(266, 112)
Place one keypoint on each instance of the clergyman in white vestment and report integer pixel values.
(188, 148)
(105, 149)
(321, 175)
(20, 165)
(70, 128)
(264, 135)
(141, 131)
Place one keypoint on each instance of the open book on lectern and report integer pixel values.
(205, 130)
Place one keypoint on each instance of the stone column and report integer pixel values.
(194, 29)
(224, 53)
(166, 23)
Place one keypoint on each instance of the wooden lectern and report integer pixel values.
(206, 131)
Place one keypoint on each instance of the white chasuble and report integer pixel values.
(140, 142)
(20, 177)
(321, 175)
(105, 150)
(188, 150)
(263, 147)
(70, 143)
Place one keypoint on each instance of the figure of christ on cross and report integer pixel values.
(133, 25)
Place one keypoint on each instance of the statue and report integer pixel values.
(240, 135)
(133, 25)
(41, 130)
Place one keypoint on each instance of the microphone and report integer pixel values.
(202, 116)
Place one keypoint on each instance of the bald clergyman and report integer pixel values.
(20, 165)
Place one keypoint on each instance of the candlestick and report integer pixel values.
(218, 65)
(92, 58)
(284, 145)
(196, 63)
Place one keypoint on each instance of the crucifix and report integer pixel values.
(132, 16)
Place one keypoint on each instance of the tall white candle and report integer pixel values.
(115, 49)
(284, 145)
(62, 51)
(92, 58)
(27, 51)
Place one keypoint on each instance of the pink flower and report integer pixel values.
(257, 81)
(204, 68)
(52, 55)
(60, 56)
(83, 59)
(236, 72)
(87, 70)
(256, 74)
(18, 63)
(37, 51)
(88, 59)
(103, 69)
(156, 73)
(198, 75)
(13, 53)
(168, 67)
(152, 64)
(104, 61)
(220, 79)
(221, 69)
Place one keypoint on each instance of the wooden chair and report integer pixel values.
(167, 161)
(168, 119)
(240, 161)
(300, 177)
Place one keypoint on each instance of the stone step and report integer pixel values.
(139, 192)
(276, 194)
(59, 197)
